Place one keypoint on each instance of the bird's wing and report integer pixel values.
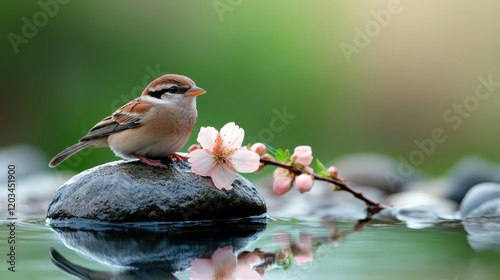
(128, 116)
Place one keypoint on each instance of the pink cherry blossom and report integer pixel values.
(222, 262)
(302, 155)
(304, 182)
(222, 156)
(223, 265)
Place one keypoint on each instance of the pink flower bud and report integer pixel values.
(282, 185)
(308, 169)
(282, 181)
(194, 147)
(260, 169)
(333, 171)
(258, 148)
(304, 182)
(305, 254)
(268, 157)
(302, 155)
(280, 172)
(283, 239)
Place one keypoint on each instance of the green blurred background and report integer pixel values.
(255, 58)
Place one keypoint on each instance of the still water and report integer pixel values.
(280, 249)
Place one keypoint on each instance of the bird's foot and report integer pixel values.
(150, 162)
(178, 157)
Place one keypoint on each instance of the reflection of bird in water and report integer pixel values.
(89, 274)
(76, 270)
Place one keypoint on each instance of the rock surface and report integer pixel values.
(467, 173)
(129, 192)
(482, 200)
(377, 171)
(480, 210)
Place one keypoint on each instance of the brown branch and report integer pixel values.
(373, 207)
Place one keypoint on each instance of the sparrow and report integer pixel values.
(153, 126)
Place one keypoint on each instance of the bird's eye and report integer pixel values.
(173, 89)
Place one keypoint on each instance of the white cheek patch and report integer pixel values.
(168, 99)
(162, 101)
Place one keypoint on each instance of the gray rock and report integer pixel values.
(415, 216)
(490, 208)
(419, 209)
(377, 171)
(467, 173)
(482, 200)
(129, 192)
(483, 234)
(422, 201)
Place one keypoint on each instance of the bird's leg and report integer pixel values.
(150, 162)
(178, 157)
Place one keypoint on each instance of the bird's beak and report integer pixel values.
(195, 91)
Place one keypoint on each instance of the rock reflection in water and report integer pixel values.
(211, 252)
(152, 253)
(483, 234)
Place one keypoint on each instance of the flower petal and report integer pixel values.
(223, 177)
(202, 163)
(225, 262)
(224, 257)
(245, 272)
(232, 135)
(202, 269)
(244, 160)
(206, 137)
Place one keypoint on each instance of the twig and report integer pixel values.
(373, 207)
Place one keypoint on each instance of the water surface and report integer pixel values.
(282, 249)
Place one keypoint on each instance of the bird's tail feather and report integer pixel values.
(66, 153)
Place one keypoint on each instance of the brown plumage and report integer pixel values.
(152, 126)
